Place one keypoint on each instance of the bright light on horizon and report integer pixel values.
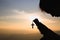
(34, 16)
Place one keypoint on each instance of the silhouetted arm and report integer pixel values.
(42, 28)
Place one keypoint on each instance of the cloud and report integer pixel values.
(23, 15)
(17, 15)
(19, 12)
(48, 16)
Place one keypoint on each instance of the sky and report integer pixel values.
(18, 15)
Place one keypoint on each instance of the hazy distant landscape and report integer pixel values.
(16, 36)
(19, 37)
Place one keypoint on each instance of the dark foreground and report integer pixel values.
(35, 36)
(19, 36)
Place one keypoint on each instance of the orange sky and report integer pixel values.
(17, 16)
(23, 21)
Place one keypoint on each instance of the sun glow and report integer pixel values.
(32, 17)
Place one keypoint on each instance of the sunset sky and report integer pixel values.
(17, 15)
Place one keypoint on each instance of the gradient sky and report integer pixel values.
(17, 15)
(21, 5)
